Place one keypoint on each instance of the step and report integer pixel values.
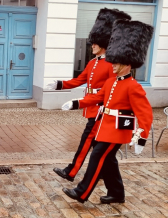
(18, 103)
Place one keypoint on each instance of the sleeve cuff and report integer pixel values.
(59, 85)
(75, 105)
(142, 141)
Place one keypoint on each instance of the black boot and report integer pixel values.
(72, 194)
(63, 174)
(110, 199)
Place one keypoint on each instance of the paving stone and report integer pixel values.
(41, 213)
(108, 209)
(16, 216)
(96, 212)
(141, 214)
(151, 203)
(35, 204)
(34, 188)
(78, 207)
(43, 200)
(87, 215)
(116, 216)
(147, 209)
(158, 215)
(131, 207)
(60, 203)
(121, 208)
(94, 199)
(7, 201)
(163, 211)
(56, 215)
(3, 212)
(133, 200)
(69, 213)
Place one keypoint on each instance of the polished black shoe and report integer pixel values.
(109, 199)
(72, 194)
(63, 174)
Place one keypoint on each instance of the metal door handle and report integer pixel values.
(11, 64)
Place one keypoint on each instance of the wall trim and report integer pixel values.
(19, 9)
(115, 2)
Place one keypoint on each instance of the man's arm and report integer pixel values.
(72, 83)
(84, 102)
(143, 112)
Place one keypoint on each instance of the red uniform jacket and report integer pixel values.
(95, 74)
(126, 95)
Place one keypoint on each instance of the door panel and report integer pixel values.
(21, 56)
(3, 53)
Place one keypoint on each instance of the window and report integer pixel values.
(87, 12)
(18, 2)
(142, 1)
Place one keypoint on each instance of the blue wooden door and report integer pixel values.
(16, 55)
(3, 53)
(20, 56)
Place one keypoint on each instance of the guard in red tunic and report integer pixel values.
(124, 98)
(95, 74)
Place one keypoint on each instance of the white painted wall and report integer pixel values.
(160, 66)
(60, 40)
(54, 56)
(41, 27)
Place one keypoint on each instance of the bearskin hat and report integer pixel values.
(129, 43)
(101, 31)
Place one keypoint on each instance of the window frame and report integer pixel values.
(118, 2)
(155, 3)
(19, 1)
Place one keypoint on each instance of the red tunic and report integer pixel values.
(95, 76)
(127, 95)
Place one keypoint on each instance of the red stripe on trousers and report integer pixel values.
(84, 151)
(97, 171)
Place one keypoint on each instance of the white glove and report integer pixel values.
(67, 106)
(138, 148)
(52, 85)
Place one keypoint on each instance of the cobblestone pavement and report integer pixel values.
(35, 191)
(33, 141)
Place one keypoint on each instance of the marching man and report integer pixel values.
(95, 74)
(123, 99)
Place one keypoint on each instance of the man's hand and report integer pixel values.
(53, 85)
(67, 106)
(138, 148)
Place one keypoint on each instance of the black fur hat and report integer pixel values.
(101, 31)
(129, 42)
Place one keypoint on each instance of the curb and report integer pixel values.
(67, 161)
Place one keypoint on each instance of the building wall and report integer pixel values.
(41, 26)
(60, 39)
(58, 49)
(54, 58)
(158, 92)
(40, 50)
(161, 73)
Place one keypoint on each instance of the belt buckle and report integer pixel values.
(107, 111)
(89, 90)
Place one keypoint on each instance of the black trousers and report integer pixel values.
(102, 159)
(87, 141)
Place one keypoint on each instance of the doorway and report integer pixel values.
(16, 55)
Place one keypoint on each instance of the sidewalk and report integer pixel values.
(33, 141)
(34, 134)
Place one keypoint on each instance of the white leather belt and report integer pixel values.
(92, 91)
(110, 111)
